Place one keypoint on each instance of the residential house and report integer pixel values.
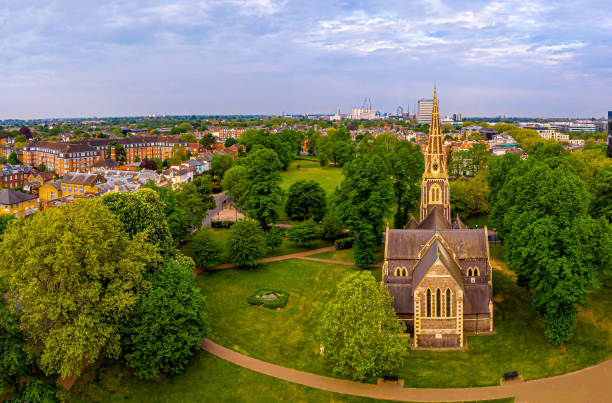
(12, 176)
(78, 184)
(18, 203)
(177, 175)
(34, 180)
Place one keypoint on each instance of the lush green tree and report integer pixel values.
(359, 330)
(168, 324)
(36, 391)
(205, 248)
(246, 242)
(406, 164)
(343, 152)
(12, 159)
(141, 211)
(179, 154)
(601, 205)
(208, 140)
(188, 138)
(274, 237)
(313, 138)
(88, 279)
(303, 233)
(220, 164)
(475, 136)
(363, 200)
(331, 226)
(196, 199)
(5, 219)
(236, 183)
(120, 153)
(264, 195)
(324, 150)
(306, 199)
(549, 242)
(230, 142)
(12, 340)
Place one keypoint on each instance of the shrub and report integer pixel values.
(222, 224)
(344, 243)
(303, 233)
(281, 301)
(331, 227)
(274, 237)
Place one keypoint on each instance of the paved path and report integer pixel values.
(221, 201)
(316, 259)
(275, 258)
(593, 384)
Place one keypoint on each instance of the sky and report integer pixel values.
(82, 58)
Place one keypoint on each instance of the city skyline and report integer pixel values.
(512, 58)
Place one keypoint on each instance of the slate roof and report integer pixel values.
(412, 224)
(437, 250)
(406, 243)
(435, 220)
(8, 196)
(80, 179)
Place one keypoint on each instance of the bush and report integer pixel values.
(303, 233)
(281, 301)
(222, 224)
(344, 243)
(205, 247)
(246, 242)
(36, 391)
(331, 226)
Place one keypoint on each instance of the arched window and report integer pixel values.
(476, 271)
(397, 271)
(404, 272)
(428, 303)
(434, 193)
(438, 303)
(469, 272)
(448, 302)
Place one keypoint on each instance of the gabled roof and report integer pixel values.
(435, 250)
(105, 163)
(8, 196)
(81, 179)
(412, 224)
(407, 243)
(458, 224)
(435, 220)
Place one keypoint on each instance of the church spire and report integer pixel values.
(434, 142)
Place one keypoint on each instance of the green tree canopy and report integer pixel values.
(246, 242)
(359, 330)
(12, 158)
(205, 247)
(306, 199)
(230, 142)
(208, 140)
(88, 279)
(188, 138)
(264, 195)
(236, 183)
(303, 233)
(168, 324)
(220, 164)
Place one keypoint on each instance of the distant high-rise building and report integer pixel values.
(400, 111)
(362, 113)
(424, 111)
(609, 134)
(457, 117)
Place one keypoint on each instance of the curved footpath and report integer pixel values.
(593, 384)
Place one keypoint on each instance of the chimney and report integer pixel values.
(116, 187)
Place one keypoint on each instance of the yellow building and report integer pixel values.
(17, 203)
(49, 191)
(80, 184)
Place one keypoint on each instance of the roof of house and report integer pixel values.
(435, 220)
(81, 179)
(8, 196)
(407, 243)
(105, 163)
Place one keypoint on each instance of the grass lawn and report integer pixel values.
(328, 177)
(346, 255)
(480, 219)
(286, 248)
(287, 337)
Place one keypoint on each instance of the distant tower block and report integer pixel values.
(400, 111)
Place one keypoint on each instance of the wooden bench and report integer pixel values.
(390, 377)
(510, 375)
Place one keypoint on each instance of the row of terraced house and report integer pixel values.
(79, 156)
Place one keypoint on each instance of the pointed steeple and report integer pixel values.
(434, 142)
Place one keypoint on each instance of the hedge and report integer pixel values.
(222, 224)
(344, 243)
(281, 301)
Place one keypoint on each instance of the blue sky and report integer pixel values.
(61, 58)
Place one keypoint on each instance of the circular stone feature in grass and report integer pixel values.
(269, 298)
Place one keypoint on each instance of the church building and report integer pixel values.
(437, 270)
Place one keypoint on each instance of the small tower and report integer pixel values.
(435, 192)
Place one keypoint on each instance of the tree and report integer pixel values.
(25, 132)
(12, 159)
(264, 195)
(601, 205)
(168, 324)
(475, 136)
(236, 183)
(406, 164)
(343, 152)
(205, 248)
(120, 153)
(362, 201)
(5, 219)
(246, 242)
(208, 140)
(12, 340)
(331, 226)
(179, 154)
(359, 329)
(36, 391)
(220, 164)
(195, 198)
(306, 199)
(188, 138)
(313, 138)
(230, 142)
(89, 277)
(148, 164)
(274, 237)
(550, 241)
(303, 233)
(141, 211)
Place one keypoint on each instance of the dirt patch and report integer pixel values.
(228, 214)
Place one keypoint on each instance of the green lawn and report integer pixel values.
(287, 337)
(480, 219)
(346, 255)
(207, 379)
(328, 177)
